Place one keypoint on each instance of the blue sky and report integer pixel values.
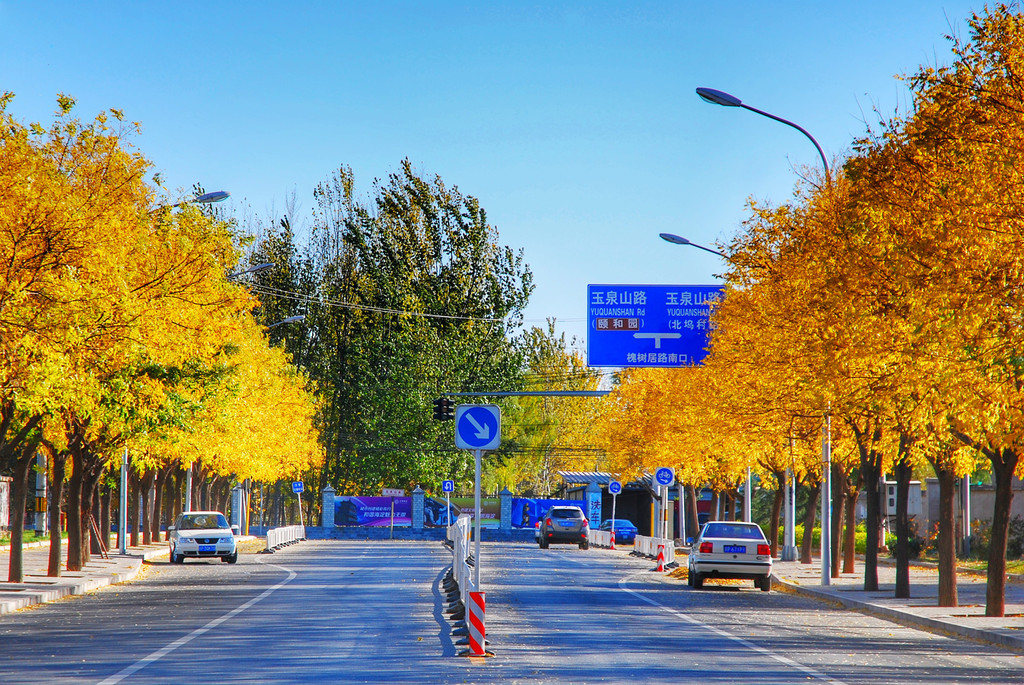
(574, 123)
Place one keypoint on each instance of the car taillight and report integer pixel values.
(547, 522)
(585, 522)
(764, 549)
(537, 525)
(705, 548)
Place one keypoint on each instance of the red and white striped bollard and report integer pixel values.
(475, 624)
(661, 559)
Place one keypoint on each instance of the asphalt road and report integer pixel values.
(371, 612)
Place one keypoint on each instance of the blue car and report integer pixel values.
(625, 531)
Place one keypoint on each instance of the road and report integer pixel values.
(372, 612)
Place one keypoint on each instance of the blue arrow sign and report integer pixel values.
(447, 486)
(665, 476)
(615, 487)
(477, 426)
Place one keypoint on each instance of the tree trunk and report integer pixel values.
(780, 492)
(947, 532)
(870, 471)
(806, 545)
(57, 470)
(839, 489)
(692, 525)
(714, 505)
(903, 474)
(19, 499)
(148, 480)
(1004, 463)
(73, 510)
(850, 539)
(133, 508)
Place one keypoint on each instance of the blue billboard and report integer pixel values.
(649, 325)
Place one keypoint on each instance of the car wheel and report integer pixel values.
(177, 559)
(698, 581)
(689, 577)
(765, 584)
(231, 558)
(543, 544)
(585, 545)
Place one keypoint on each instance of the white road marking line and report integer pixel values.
(718, 631)
(164, 651)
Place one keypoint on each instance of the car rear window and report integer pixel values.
(566, 514)
(732, 530)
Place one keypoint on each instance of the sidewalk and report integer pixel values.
(920, 610)
(99, 572)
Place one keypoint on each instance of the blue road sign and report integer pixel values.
(665, 476)
(297, 486)
(477, 426)
(615, 487)
(447, 486)
(649, 325)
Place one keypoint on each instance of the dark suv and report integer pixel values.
(564, 524)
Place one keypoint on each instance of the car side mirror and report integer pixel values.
(171, 529)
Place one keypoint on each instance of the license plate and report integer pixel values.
(734, 549)
(207, 548)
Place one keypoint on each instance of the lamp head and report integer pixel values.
(717, 97)
(675, 239)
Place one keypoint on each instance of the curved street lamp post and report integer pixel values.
(718, 97)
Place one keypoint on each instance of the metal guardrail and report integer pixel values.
(285, 535)
(649, 547)
(462, 571)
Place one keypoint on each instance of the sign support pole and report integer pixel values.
(479, 517)
(122, 523)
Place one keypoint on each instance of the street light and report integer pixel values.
(717, 97)
(290, 319)
(679, 240)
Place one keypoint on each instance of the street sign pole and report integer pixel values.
(479, 517)
(123, 514)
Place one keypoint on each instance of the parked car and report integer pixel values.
(564, 524)
(625, 531)
(731, 549)
(202, 535)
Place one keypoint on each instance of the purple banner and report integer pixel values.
(372, 511)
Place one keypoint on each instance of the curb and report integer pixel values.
(904, 618)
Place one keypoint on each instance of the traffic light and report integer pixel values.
(444, 409)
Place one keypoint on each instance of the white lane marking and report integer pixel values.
(164, 651)
(718, 631)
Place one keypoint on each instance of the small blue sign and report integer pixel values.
(297, 486)
(477, 426)
(447, 486)
(615, 487)
(665, 476)
(649, 325)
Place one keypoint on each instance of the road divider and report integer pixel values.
(463, 593)
(648, 547)
(283, 536)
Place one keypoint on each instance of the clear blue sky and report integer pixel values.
(574, 123)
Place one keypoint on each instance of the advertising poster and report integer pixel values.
(434, 514)
(491, 506)
(372, 511)
(527, 511)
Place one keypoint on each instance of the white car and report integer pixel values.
(731, 549)
(202, 535)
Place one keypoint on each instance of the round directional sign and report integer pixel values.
(665, 476)
(447, 486)
(615, 487)
(477, 426)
